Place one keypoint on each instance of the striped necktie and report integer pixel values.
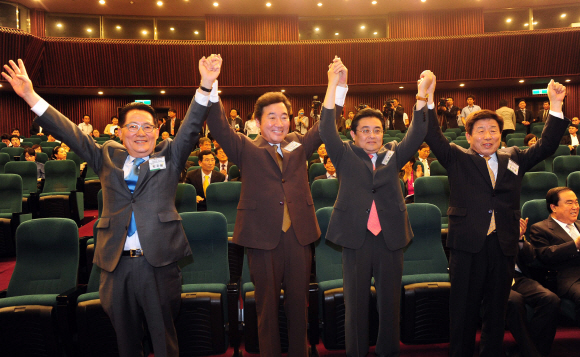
(131, 180)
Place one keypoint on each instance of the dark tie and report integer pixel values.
(131, 180)
(286, 222)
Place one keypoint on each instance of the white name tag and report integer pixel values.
(292, 146)
(387, 157)
(513, 167)
(157, 163)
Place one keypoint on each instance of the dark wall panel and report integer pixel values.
(251, 28)
(436, 23)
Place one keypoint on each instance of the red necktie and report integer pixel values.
(373, 224)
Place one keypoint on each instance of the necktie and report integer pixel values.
(373, 224)
(223, 166)
(131, 181)
(572, 231)
(205, 183)
(492, 177)
(545, 115)
(172, 126)
(286, 222)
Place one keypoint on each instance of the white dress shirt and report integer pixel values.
(131, 242)
(86, 128)
(426, 169)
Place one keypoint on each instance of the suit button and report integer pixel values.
(281, 203)
(373, 190)
(369, 210)
(283, 180)
(489, 211)
(133, 201)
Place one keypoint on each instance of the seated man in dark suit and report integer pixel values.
(321, 154)
(557, 241)
(30, 155)
(330, 170)
(204, 145)
(424, 158)
(223, 162)
(534, 338)
(571, 139)
(203, 177)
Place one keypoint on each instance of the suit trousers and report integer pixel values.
(535, 337)
(479, 280)
(285, 267)
(136, 293)
(574, 294)
(373, 259)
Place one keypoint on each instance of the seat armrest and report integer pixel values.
(233, 321)
(70, 296)
(3, 294)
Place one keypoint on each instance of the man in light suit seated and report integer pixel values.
(330, 170)
(203, 177)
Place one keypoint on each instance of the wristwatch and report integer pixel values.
(204, 89)
(421, 98)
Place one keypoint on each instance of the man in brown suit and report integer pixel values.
(275, 218)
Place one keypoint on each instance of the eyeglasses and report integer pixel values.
(369, 131)
(133, 127)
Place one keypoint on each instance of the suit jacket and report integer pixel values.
(164, 128)
(397, 122)
(472, 196)
(238, 121)
(451, 117)
(360, 185)
(35, 128)
(153, 201)
(176, 126)
(520, 116)
(540, 116)
(526, 256)
(264, 187)
(194, 178)
(567, 140)
(556, 249)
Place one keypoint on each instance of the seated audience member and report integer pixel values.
(6, 140)
(530, 140)
(408, 175)
(51, 139)
(223, 163)
(15, 141)
(201, 178)
(424, 158)
(348, 122)
(321, 154)
(110, 127)
(30, 155)
(204, 145)
(16, 132)
(330, 170)
(571, 139)
(37, 148)
(96, 133)
(164, 135)
(575, 121)
(252, 126)
(115, 134)
(58, 153)
(557, 241)
(65, 146)
(36, 129)
(534, 338)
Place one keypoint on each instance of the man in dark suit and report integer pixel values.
(321, 154)
(330, 170)
(393, 112)
(571, 139)
(275, 218)
(223, 162)
(424, 158)
(140, 236)
(235, 121)
(544, 113)
(370, 218)
(557, 241)
(162, 125)
(523, 115)
(35, 129)
(173, 123)
(203, 177)
(451, 112)
(534, 337)
(484, 202)
(204, 145)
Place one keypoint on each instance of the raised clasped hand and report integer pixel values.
(337, 72)
(556, 92)
(210, 68)
(426, 84)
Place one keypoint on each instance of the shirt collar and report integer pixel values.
(562, 224)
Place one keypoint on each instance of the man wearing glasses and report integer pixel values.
(140, 236)
(370, 218)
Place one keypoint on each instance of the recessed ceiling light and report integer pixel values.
(362, 27)
(521, 81)
(462, 84)
(336, 34)
(563, 15)
(219, 91)
(508, 20)
(118, 27)
(89, 30)
(0, 85)
(196, 32)
(535, 23)
(268, 4)
(100, 93)
(162, 92)
(102, 2)
(319, 4)
(58, 25)
(144, 32)
(316, 29)
(375, 33)
(374, 3)
(159, 3)
(526, 24)
(568, 80)
(283, 90)
(172, 28)
(423, 0)
(401, 87)
(215, 4)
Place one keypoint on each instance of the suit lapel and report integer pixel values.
(558, 230)
(363, 156)
(481, 165)
(119, 158)
(263, 143)
(144, 173)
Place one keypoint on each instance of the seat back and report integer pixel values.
(95, 277)
(11, 193)
(34, 140)
(328, 254)
(12, 152)
(207, 234)
(434, 190)
(185, 198)
(60, 176)
(4, 158)
(74, 157)
(535, 211)
(515, 135)
(314, 156)
(457, 131)
(316, 169)
(521, 128)
(425, 254)
(47, 151)
(537, 129)
(41, 157)
(539, 167)
(451, 134)
(91, 174)
(191, 168)
(463, 143)
(324, 193)
(193, 159)
(437, 169)
(233, 173)
(573, 182)
(565, 165)
(28, 172)
(52, 144)
(535, 185)
(45, 263)
(252, 136)
(515, 142)
(389, 132)
(224, 197)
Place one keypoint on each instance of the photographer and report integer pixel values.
(451, 114)
(315, 111)
(301, 122)
(393, 112)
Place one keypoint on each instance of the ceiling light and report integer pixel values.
(374, 3)
(100, 93)
(508, 20)
(118, 27)
(144, 32)
(159, 3)
(283, 90)
(89, 30)
(196, 32)
(0, 85)
(219, 91)
(362, 27)
(172, 28)
(535, 23)
(215, 4)
(162, 92)
(423, 0)
(375, 33)
(526, 24)
(336, 34)
(568, 80)
(563, 15)
(316, 29)
(401, 87)
(268, 4)
(58, 25)
(462, 84)
(521, 81)
(319, 4)
(102, 2)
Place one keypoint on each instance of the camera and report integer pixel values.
(389, 104)
(362, 106)
(315, 102)
(442, 102)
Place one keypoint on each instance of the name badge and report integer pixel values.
(292, 146)
(157, 163)
(387, 157)
(513, 167)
